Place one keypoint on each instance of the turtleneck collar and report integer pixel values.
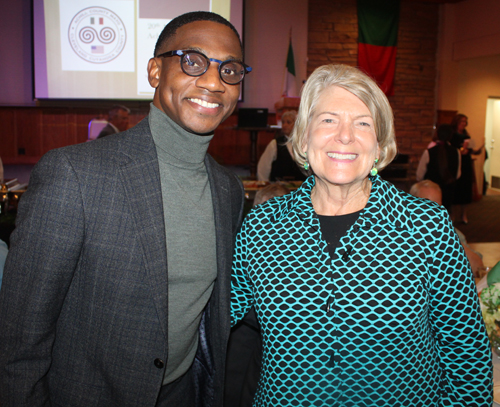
(176, 145)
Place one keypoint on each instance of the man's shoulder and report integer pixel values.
(132, 141)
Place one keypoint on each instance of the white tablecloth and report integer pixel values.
(496, 380)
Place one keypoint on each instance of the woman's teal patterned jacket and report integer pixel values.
(393, 319)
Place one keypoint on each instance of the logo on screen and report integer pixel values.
(97, 35)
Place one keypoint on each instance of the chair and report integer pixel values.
(95, 127)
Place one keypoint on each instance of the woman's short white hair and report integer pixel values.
(359, 84)
(289, 113)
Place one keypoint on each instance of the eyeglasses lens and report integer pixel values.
(232, 72)
(195, 64)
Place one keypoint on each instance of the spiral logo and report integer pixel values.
(87, 35)
(107, 35)
(97, 35)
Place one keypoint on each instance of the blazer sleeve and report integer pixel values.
(241, 287)
(456, 321)
(45, 250)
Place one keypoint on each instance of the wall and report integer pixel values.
(427, 77)
(469, 63)
(37, 130)
(333, 35)
(30, 131)
(267, 28)
(15, 49)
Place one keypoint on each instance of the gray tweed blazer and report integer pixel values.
(83, 306)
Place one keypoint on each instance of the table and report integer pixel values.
(251, 187)
(496, 381)
(491, 256)
(489, 250)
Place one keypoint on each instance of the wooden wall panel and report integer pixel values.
(55, 130)
(29, 132)
(8, 143)
(29, 141)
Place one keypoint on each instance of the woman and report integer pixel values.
(363, 292)
(277, 163)
(441, 164)
(463, 190)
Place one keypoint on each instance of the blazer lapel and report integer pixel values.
(221, 200)
(141, 180)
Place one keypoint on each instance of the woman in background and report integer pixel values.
(463, 188)
(363, 292)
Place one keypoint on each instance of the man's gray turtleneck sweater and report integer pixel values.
(190, 232)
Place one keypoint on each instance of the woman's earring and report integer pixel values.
(374, 170)
(306, 164)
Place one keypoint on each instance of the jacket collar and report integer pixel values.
(386, 204)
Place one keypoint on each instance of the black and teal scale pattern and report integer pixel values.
(393, 319)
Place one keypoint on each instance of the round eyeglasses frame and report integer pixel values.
(184, 53)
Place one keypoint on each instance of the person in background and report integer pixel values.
(118, 118)
(277, 163)
(363, 292)
(441, 164)
(430, 190)
(116, 289)
(463, 189)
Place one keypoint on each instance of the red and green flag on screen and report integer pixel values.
(378, 22)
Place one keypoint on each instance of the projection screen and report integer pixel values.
(88, 49)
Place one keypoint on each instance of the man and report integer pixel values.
(117, 285)
(117, 121)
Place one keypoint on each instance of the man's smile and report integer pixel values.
(204, 103)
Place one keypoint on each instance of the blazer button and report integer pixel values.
(159, 363)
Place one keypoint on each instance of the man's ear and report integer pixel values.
(154, 69)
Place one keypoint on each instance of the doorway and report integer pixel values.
(492, 143)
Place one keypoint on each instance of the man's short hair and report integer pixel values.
(172, 27)
(445, 132)
(113, 112)
(417, 187)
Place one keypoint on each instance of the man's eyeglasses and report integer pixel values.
(194, 63)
